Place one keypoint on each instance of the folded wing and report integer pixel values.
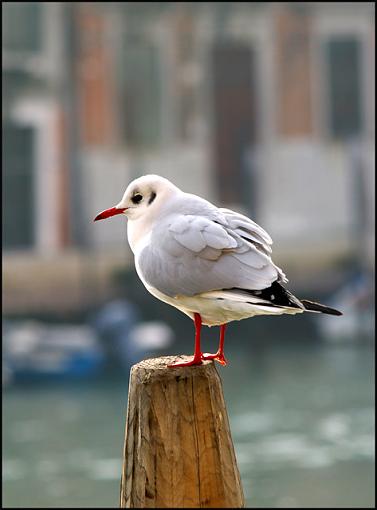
(190, 254)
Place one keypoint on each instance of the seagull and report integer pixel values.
(211, 263)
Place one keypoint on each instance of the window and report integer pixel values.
(140, 94)
(15, 82)
(235, 111)
(343, 58)
(18, 186)
(22, 26)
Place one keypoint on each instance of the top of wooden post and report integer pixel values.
(178, 449)
(158, 367)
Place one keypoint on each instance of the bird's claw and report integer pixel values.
(219, 357)
(198, 360)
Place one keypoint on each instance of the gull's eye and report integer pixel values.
(137, 198)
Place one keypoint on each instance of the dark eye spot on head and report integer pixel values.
(151, 198)
(137, 198)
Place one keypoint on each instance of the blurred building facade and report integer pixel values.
(265, 107)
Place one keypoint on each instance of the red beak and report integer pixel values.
(109, 212)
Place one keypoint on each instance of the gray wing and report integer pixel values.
(190, 254)
(248, 230)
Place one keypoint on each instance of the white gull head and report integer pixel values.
(145, 196)
(141, 204)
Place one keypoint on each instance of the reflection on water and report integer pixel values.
(302, 421)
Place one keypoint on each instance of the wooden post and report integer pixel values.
(178, 451)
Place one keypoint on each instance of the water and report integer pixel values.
(302, 420)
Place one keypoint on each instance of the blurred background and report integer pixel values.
(264, 107)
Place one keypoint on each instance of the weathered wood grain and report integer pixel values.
(178, 450)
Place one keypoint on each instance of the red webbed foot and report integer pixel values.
(219, 357)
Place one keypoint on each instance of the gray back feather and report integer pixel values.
(196, 247)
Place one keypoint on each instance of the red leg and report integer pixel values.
(197, 359)
(219, 356)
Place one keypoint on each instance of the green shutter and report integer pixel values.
(344, 75)
(141, 94)
(22, 26)
(18, 187)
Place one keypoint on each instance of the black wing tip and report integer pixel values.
(318, 307)
(332, 311)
